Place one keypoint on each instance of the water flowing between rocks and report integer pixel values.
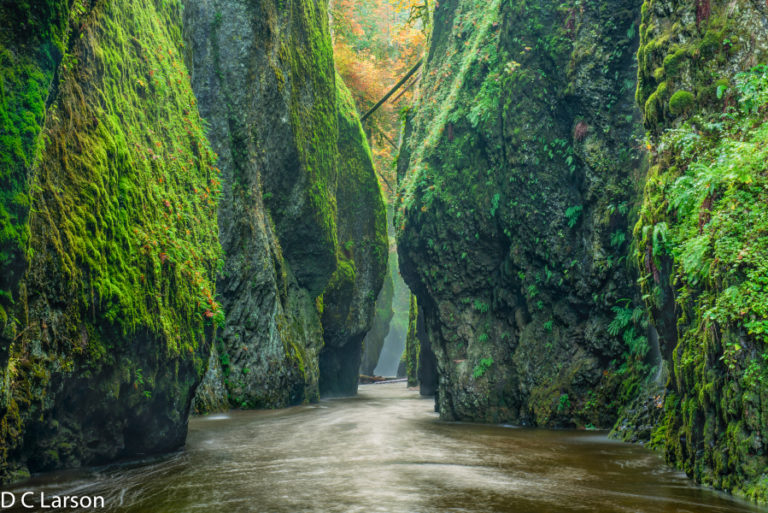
(386, 451)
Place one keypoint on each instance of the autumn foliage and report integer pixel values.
(376, 42)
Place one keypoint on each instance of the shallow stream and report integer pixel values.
(386, 451)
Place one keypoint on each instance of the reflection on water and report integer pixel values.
(385, 451)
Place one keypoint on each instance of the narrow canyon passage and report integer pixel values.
(548, 213)
(385, 450)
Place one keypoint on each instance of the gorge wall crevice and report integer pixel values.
(126, 239)
(187, 196)
(572, 270)
(515, 209)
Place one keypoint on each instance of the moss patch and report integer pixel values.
(681, 102)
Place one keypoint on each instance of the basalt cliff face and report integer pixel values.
(573, 270)
(349, 301)
(701, 238)
(254, 86)
(110, 244)
(518, 175)
(165, 162)
(302, 219)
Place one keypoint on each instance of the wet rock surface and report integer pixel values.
(517, 184)
(251, 78)
(110, 330)
(299, 210)
(701, 258)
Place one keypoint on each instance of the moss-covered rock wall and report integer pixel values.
(517, 176)
(258, 90)
(32, 41)
(701, 234)
(115, 207)
(522, 176)
(349, 300)
(301, 214)
(108, 324)
(412, 346)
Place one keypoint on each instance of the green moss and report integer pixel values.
(32, 38)
(711, 43)
(674, 60)
(701, 222)
(344, 277)
(681, 102)
(309, 64)
(136, 209)
(359, 193)
(349, 298)
(654, 105)
(28, 24)
(458, 69)
(723, 82)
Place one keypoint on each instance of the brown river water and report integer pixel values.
(386, 451)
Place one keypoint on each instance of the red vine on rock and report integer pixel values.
(703, 10)
(570, 23)
(650, 265)
(705, 214)
(580, 131)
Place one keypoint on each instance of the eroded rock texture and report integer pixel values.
(111, 221)
(349, 300)
(521, 178)
(517, 176)
(301, 216)
(263, 76)
(107, 328)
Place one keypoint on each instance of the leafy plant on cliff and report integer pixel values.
(630, 323)
(482, 366)
(709, 194)
(573, 214)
